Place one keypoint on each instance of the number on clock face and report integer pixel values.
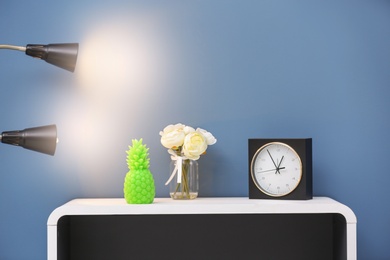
(276, 169)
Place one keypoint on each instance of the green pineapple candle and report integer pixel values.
(139, 184)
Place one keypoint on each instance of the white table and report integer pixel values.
(209, 206)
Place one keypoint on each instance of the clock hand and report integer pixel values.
(279, 168)
(276, 167)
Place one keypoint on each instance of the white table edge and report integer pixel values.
(215, 205)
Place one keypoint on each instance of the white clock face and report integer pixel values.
(276, 169)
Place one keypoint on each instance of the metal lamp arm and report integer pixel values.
(12, 47)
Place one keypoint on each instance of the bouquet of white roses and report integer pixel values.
(184, 143)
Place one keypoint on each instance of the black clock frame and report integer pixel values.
(303, 147)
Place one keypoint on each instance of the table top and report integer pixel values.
(200, 205)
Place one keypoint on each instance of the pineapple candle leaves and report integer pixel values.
(139, 184)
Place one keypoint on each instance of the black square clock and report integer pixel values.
(280, 168)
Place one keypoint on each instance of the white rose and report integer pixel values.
(173, 135)
(188, 129)
(209, 137)
(194, 145)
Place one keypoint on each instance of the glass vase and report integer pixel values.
(185, 187)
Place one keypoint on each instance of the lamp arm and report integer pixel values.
(63, 55)
(12, 47)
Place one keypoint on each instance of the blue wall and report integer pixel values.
(240, 69)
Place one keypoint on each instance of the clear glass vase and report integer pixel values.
(186, 187)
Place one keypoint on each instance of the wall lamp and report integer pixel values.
(41, 139)
(63, 55)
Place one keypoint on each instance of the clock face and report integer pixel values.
(276, 169)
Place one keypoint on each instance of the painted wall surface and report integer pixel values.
(240, 69)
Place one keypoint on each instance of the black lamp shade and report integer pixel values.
(41, 139)
(63, 55)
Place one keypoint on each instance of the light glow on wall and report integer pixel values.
(121, 63)
(121, 54)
